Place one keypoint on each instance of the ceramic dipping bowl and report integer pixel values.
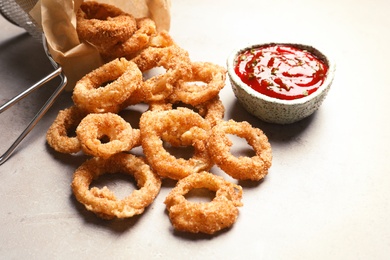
(274, 110)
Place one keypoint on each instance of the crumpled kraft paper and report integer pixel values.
(58, 21)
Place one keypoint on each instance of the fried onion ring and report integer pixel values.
(104, 25)
(102, 201)
(179, 127)
(208, 217)
(205, 83)
(161, 40)
(213, 110)
(58, 134)
(123, 78)
(146, 28)
(96, 127)
(176, 63)
(242, 167)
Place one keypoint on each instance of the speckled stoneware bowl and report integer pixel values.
(275, 110)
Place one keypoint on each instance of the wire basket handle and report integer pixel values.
(57, 72)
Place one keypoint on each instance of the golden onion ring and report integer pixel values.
(102, 201)
(208, 217)
(94, 128)
(58, 135)
(103, 25)
(122, 77)
(179, 127)
(242, 167)
(204, 83)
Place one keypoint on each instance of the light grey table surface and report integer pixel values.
(326, 196)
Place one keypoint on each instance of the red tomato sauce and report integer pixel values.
(281, 71)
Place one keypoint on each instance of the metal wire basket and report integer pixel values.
(17, 12)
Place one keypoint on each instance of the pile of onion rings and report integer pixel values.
(184, 111)
(115, 33)
(104, 25)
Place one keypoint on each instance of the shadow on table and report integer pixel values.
(115, 225)
(24, 57)
(275, 132)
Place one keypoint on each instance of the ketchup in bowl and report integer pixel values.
(281, 71)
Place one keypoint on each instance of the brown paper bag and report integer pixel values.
(58, 21)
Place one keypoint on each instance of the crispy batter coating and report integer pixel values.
(122, 78)
(179, 127)
(243, 167)
(104, 25)
(204, 83)
(117, 34)
(103, 201)
(145, 30)
(213, 110)
(208, 217)
(58, 135)
(157, 88)
(95, 127)
(185, 110)
(161, 40)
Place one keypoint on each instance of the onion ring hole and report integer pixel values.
(200, 195)
(133, 113)
(181, 104)
(119, 183)
(184, 152)
(156, 71)
(240, 146)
